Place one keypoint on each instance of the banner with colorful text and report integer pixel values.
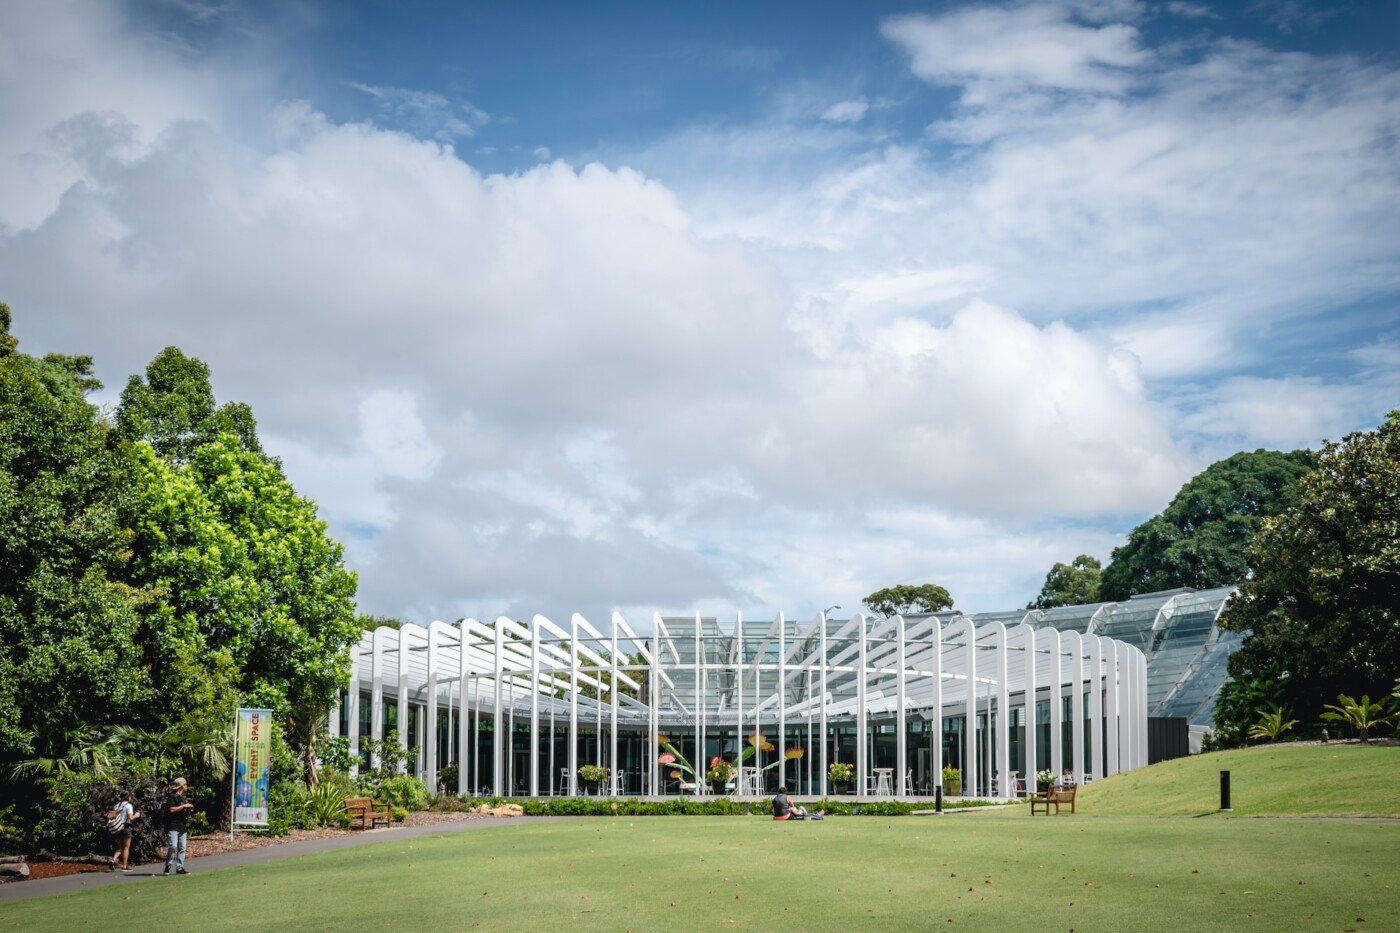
(252, 760)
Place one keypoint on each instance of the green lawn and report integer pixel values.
(964, 871)
(1137, 856)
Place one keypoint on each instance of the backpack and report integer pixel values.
(116, 820)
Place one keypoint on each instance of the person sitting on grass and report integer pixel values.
(783, 809)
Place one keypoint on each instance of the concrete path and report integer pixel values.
(42, 887)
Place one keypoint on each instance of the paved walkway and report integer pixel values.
(42, 887)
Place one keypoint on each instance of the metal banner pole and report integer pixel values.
(233, 779)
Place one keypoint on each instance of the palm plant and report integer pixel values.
(74, 750)
(326, 803)
(1361, 715)
(308, 729)
(1271, 724)
(191, 743)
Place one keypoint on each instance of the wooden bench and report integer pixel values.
(1044, 799)
(363, 809)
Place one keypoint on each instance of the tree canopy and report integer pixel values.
(907, 598)
(67, 623)
(1321, 610)
(173, 409)
(1072, 584)
(1199, 540)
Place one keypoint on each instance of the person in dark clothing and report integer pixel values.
(783, 808)
(177, 826)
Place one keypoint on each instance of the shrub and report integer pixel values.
(403, 790)
(339, 781)
(288, 808)
(74, 821)
(399, 814)
(335, 754)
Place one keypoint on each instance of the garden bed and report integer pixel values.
(219, 843)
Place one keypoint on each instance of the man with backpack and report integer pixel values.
(177, 826)
(119, 820)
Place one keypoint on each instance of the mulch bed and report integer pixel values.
(218, 843)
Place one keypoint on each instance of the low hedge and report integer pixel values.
(716, 806)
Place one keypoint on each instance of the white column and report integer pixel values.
(970, 698)
(612, 710)
(654, 714)
(376, 697)
(1074, 644)
(500, 745)
(1113, 685)
(1140, 660)
(937, 757)
(782, 701)
(825, 699)
(701, 668)
(901, 752)
(573, 705)
(739, 695)
(1097, 686)
(430, 708)
(401, 695)
(862, 725)
(353, 716)
(1057, 703)
(535, 707)
(1028, 744)
(466, 753)
(1003, 708)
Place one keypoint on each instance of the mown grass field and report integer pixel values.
(971, 870)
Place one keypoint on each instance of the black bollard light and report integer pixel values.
(1225, 790)
(938, 798)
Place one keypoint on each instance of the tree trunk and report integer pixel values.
(312, 776)
(14, 868)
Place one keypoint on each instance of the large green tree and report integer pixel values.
(1072, 584)
(1199, 540)
(68, 626)
(906, 598)
(1321, 610)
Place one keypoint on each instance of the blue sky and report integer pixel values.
(729, 307)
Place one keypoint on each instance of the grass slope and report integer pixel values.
(1331, 780)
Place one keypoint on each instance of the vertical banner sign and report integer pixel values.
(252, 760)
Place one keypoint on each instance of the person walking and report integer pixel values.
(120, 826)
(177, 826)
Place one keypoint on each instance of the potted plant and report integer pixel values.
(1044, 780)
(719, 774)
(952, 781)
(841, 773)
(592, 776)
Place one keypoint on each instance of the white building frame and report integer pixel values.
(891, 696)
